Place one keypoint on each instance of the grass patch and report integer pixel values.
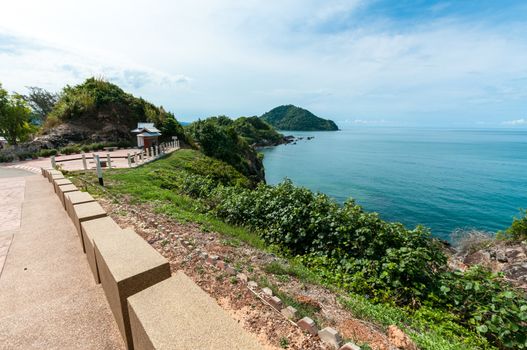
(430, 329)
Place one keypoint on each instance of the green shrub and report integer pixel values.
(7, 156)
(484, 302)
(48, 152)
(23, 155)
(518, 229)
(85, 148)
(361, 251)
(70, 150)
(97, 146)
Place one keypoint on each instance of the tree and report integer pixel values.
(15, 116)
(41, 102)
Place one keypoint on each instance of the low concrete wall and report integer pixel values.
(92, 229)
(177, 314)
(152, 309)
(127, 264)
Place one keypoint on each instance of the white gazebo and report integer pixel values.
(147, 135)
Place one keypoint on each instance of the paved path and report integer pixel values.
(48, 299)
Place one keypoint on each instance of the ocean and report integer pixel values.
(444, 179)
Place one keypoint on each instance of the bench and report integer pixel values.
(127, 264)
(92, 229)
(178, 314)
(74, 198)
(86, 211)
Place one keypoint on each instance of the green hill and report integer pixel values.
(289, 117)
(97, 110)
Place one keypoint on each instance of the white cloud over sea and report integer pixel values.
(431, 62)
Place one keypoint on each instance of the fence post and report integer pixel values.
(109, 161)
(152, 152)
(157, 150)
(141, 156)
(53, 164)
(99, 170)
(129, 161)
(84, 162)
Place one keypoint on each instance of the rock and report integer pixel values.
(308, 325)
(242, 277)
(289, 312)
(267, 291)
(331, 337)
(501, 257)
(350, 346)
(399, 339)
(252, 284)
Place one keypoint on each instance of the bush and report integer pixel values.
(70, 150)
(484, 302)
(48, 152)
(23, 155)
(85, 148)
(518, 229)
(7, 156)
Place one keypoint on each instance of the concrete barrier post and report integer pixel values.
(157, 150)
(53, 164)
(129, 161)
(109, 161)
(141, 156)
(99, 170)
(84, 162)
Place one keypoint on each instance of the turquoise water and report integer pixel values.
(443, 179)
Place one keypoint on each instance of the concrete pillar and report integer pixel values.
(53, 164)
(109, 160)
(129, 161)
(99, 170)
(84, 162)
(141, 156)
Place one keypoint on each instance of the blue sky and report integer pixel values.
(394, 63)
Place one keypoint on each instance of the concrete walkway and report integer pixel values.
(48, 299)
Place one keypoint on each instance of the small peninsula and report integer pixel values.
(293, 118)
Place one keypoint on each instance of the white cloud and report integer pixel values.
(244, 57)
(515, 122)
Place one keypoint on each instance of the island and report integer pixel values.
(293, 118)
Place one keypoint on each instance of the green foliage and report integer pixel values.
(484, 302)
(431, 329)
(518, 229)
(218, 138)
(96, 101)
(70, 150)
(290, 117)
(360, 251)
(47, 152)
(15, 117)
(257, 132)
(41, 102)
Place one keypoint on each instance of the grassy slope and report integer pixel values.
(142, 185)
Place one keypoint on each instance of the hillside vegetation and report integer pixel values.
(97, 110)
(389, 274)
(294, 118)
(217, 137)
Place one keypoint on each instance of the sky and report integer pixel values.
(391, 63)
